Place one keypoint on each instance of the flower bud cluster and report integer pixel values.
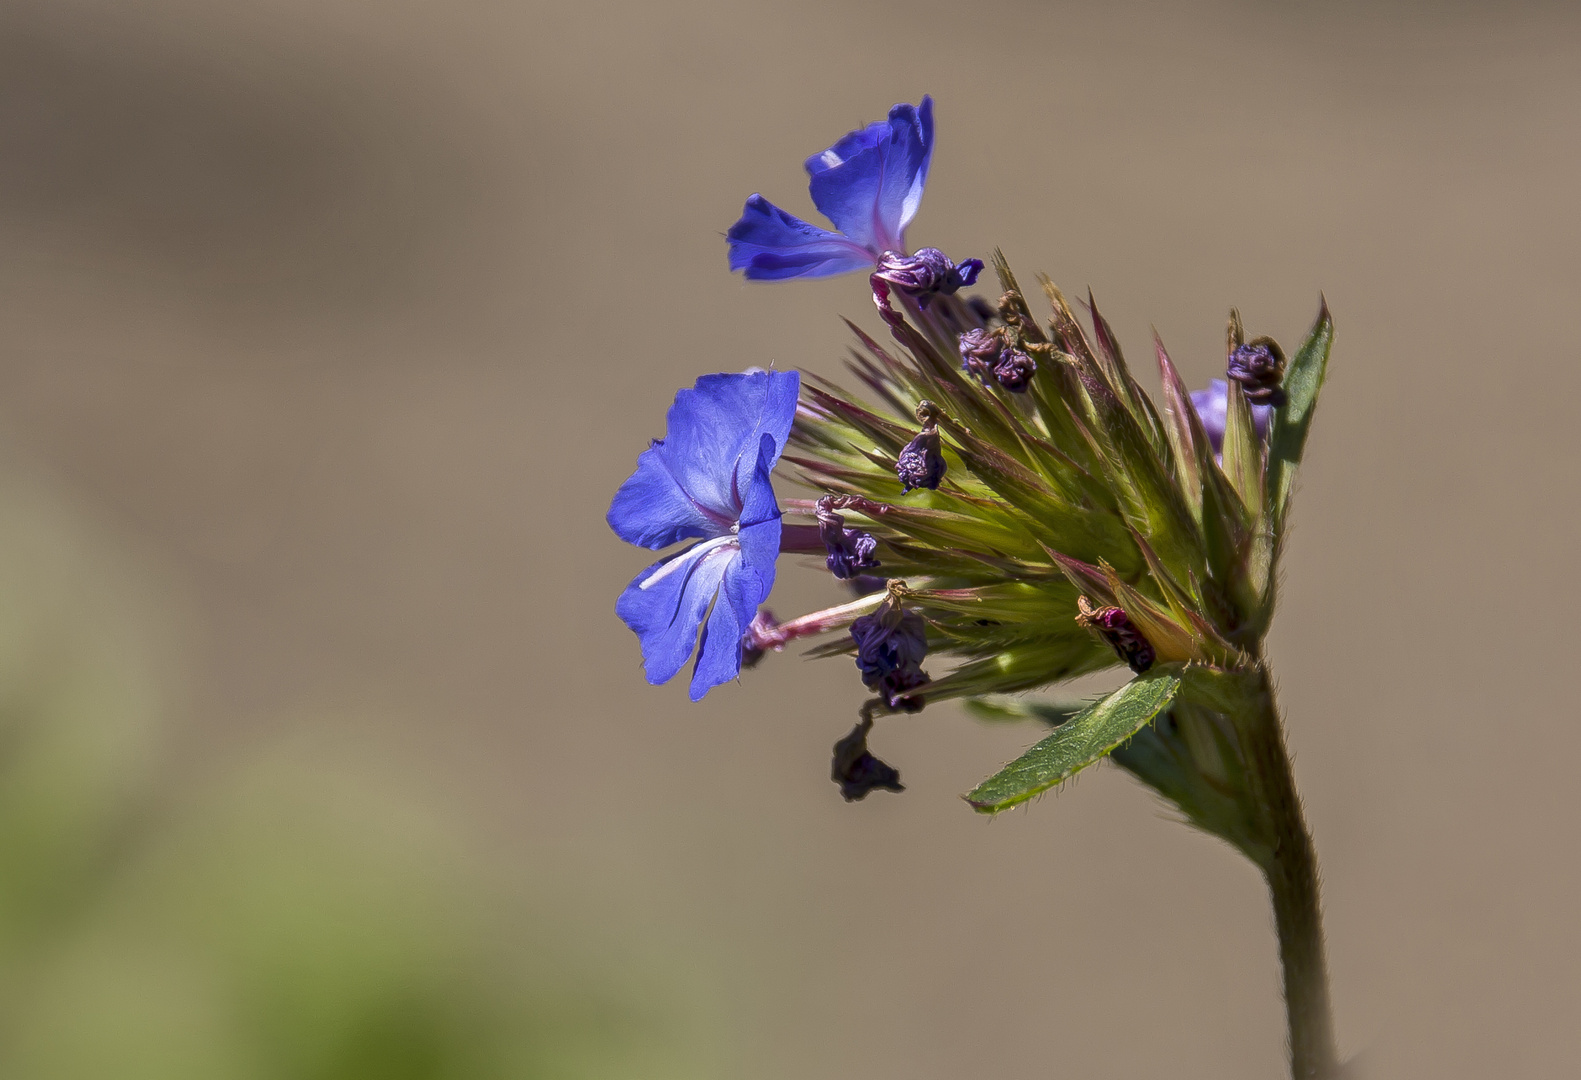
(992, 356)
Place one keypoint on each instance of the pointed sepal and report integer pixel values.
(1287, 442)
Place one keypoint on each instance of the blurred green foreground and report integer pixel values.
(290, 915)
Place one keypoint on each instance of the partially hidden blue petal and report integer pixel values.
(1213, 409)
(759, 537)
(747, 581)
(769, 244)
(870, 182)
(665, 604)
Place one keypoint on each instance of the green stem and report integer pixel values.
(1292, 874)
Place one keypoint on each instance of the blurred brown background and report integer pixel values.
(326, 332)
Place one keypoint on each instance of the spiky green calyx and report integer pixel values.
(1081, 486)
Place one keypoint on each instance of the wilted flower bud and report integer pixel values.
(926, 274)
(890, 646)
(1259, 366)
(991, 354)
(849, 550)
(1014, 370)
(980, 350)
(1115, 627)
(921, 462)
(857, 771)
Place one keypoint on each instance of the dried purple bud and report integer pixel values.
(921, 464)
(980, 350)
(857, 771)
(1115, 627)
(991, 354)
(926, 274)
(1259, 366)
(890, 646)
(1014, 370)
(849, 550)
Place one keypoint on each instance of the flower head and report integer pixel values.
(869, 184)
(708, 479)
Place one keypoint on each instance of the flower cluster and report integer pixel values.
(1034, 515)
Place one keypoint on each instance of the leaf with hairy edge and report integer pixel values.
(1303, 380)
(1080, 741)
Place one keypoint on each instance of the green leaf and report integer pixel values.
(1079, 742)
(1303, 380)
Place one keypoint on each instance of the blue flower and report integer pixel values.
(1213, 407)
(869, 184)
(708, 479)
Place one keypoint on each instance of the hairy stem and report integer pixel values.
(1292, 874)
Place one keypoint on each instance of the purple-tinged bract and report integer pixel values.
(869, 184)
(707, 479)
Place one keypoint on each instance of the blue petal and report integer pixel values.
(666, 614)
(692, 482)
(747, 581)
(1213, 409)
(715, 431)
(770, 245)
(759, 537)
(870, 182)
(652, 511)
